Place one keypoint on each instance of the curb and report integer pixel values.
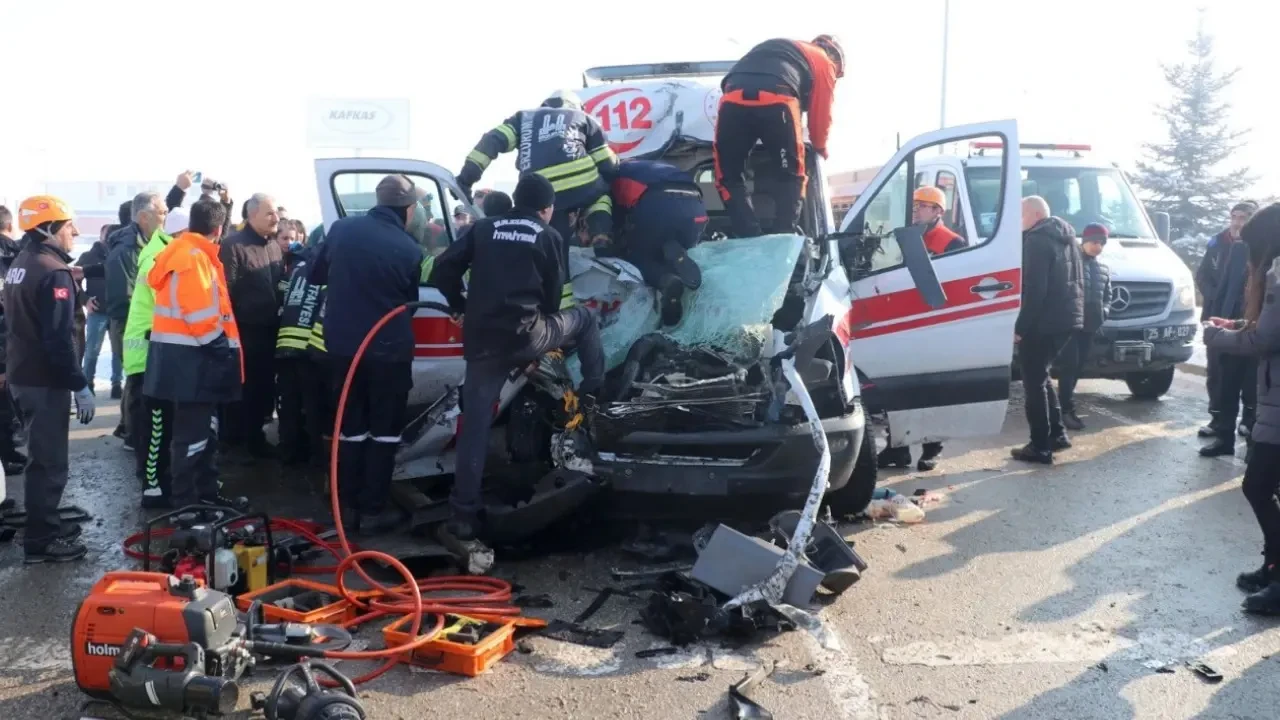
(1193, 369)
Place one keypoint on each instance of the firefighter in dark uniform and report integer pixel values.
(658, 216)
(43, 371)
(511, 316)
(928, 208)
(319, 384)
(371, 265)
(564, 145)
(296, 376)
(764, 96)
(14, 461)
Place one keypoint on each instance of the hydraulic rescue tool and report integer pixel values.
(226, 549)
(287, 701)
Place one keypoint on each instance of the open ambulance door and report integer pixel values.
(346, 187)
(935, 354)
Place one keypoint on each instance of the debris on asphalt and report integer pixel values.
(685, 611)
(596, 604)
(888, 504)
(1103, 667)
(700, 677)
(1165, 670)
(827, 551)
(541, 601)
(742, 707)
(657, 652)
(580, 635)
(1205, 671)
(647, 573)
(733, 562)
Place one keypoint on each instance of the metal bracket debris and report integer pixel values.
(742, 707)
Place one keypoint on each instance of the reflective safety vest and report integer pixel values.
(142, 307)
(315, 339)
(195, 353)
(299, 313)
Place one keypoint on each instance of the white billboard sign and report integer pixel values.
(358, 124)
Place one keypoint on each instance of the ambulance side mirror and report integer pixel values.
(916, 257)
(1161, 220)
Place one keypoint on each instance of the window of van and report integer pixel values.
(354, 192)
(1079, 195)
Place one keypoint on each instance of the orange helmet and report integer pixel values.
(932, 195)
(834, 50)
(38, 210)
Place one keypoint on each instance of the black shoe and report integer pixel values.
(894, 457)
(14, 467)
(239, 504)
(70, 532)
(1208, 431)
(686, 269)
(1265, 601)
(1218, 448)
(156, 501)
(350, 520)
(1243, 430)
(57, 551)
(116, 392)
(1029, 453)
(459, 538)
(387, 521)
(1060, 442)
(1072, 421)
(119, 433)
(1256, 581)
(671, 300)
(928, 457)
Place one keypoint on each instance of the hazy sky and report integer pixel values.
(139, 90)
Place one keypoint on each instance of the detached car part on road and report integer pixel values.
(701, 410)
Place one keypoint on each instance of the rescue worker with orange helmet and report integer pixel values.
(765, 94)
(194, 359)
(928, 207)
(44, 371)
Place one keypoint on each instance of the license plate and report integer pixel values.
(1172, 332)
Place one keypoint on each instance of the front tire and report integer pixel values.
(855, 496)
(1150, 385)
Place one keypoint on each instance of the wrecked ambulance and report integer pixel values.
(700, 410)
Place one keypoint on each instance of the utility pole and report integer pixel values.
(946, 35)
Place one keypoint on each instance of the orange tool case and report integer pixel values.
(333, 613)
(455, 657)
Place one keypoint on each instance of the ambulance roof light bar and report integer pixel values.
(651, 71)
(1076, 149)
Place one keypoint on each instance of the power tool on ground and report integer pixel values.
(150, 640)
(288, 701)
(223, 548)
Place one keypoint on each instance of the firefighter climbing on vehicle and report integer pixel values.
(928, 208)
(510, 317)
(566, 146)
(195, 359)
(299, 383)
(764, 96)
(659, 216)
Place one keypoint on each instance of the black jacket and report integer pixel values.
(1097, 293)
(1052, 280)
(255, 269)
(93, 261)
(371, 266)
(121, 266)
(300, 312)
(1210, 273)
(40, 296)
(8, 251)
(516, 279)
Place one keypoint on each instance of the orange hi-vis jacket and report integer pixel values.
(195, 353)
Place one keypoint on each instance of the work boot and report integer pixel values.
(116, 391)
(57, 551)
(1267, 600)
(375, 524)
(894, 457)
(1072, 421)
(15, 464)
(686, 269)
(928, 457)
(1060, 442)
(70, 532)
(1218, 448)
(1030, 453)
(672, 293)
(350, 518)
(154, 499)
(1256, 581)
(459, 538)
(239, 504)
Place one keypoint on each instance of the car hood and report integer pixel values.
(1155, 263)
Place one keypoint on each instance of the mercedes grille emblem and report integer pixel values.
(1120, 298)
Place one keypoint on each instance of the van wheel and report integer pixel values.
(855, 496)
(1150, 385)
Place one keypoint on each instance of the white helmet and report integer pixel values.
(563, 99)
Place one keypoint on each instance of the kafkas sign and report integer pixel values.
(358, 124)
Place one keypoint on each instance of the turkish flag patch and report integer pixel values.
(61, 294)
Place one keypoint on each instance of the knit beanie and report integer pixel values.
(1095, 232)
(534, 192)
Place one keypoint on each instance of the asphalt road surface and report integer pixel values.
(1077, 591)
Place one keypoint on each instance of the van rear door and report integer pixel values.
(939, 368)
(346, 187)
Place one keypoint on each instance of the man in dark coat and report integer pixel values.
(1052, 309)
(1097, 306)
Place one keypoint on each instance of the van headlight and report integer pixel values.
(1184, 297)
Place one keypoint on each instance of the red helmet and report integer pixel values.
(834, 50)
